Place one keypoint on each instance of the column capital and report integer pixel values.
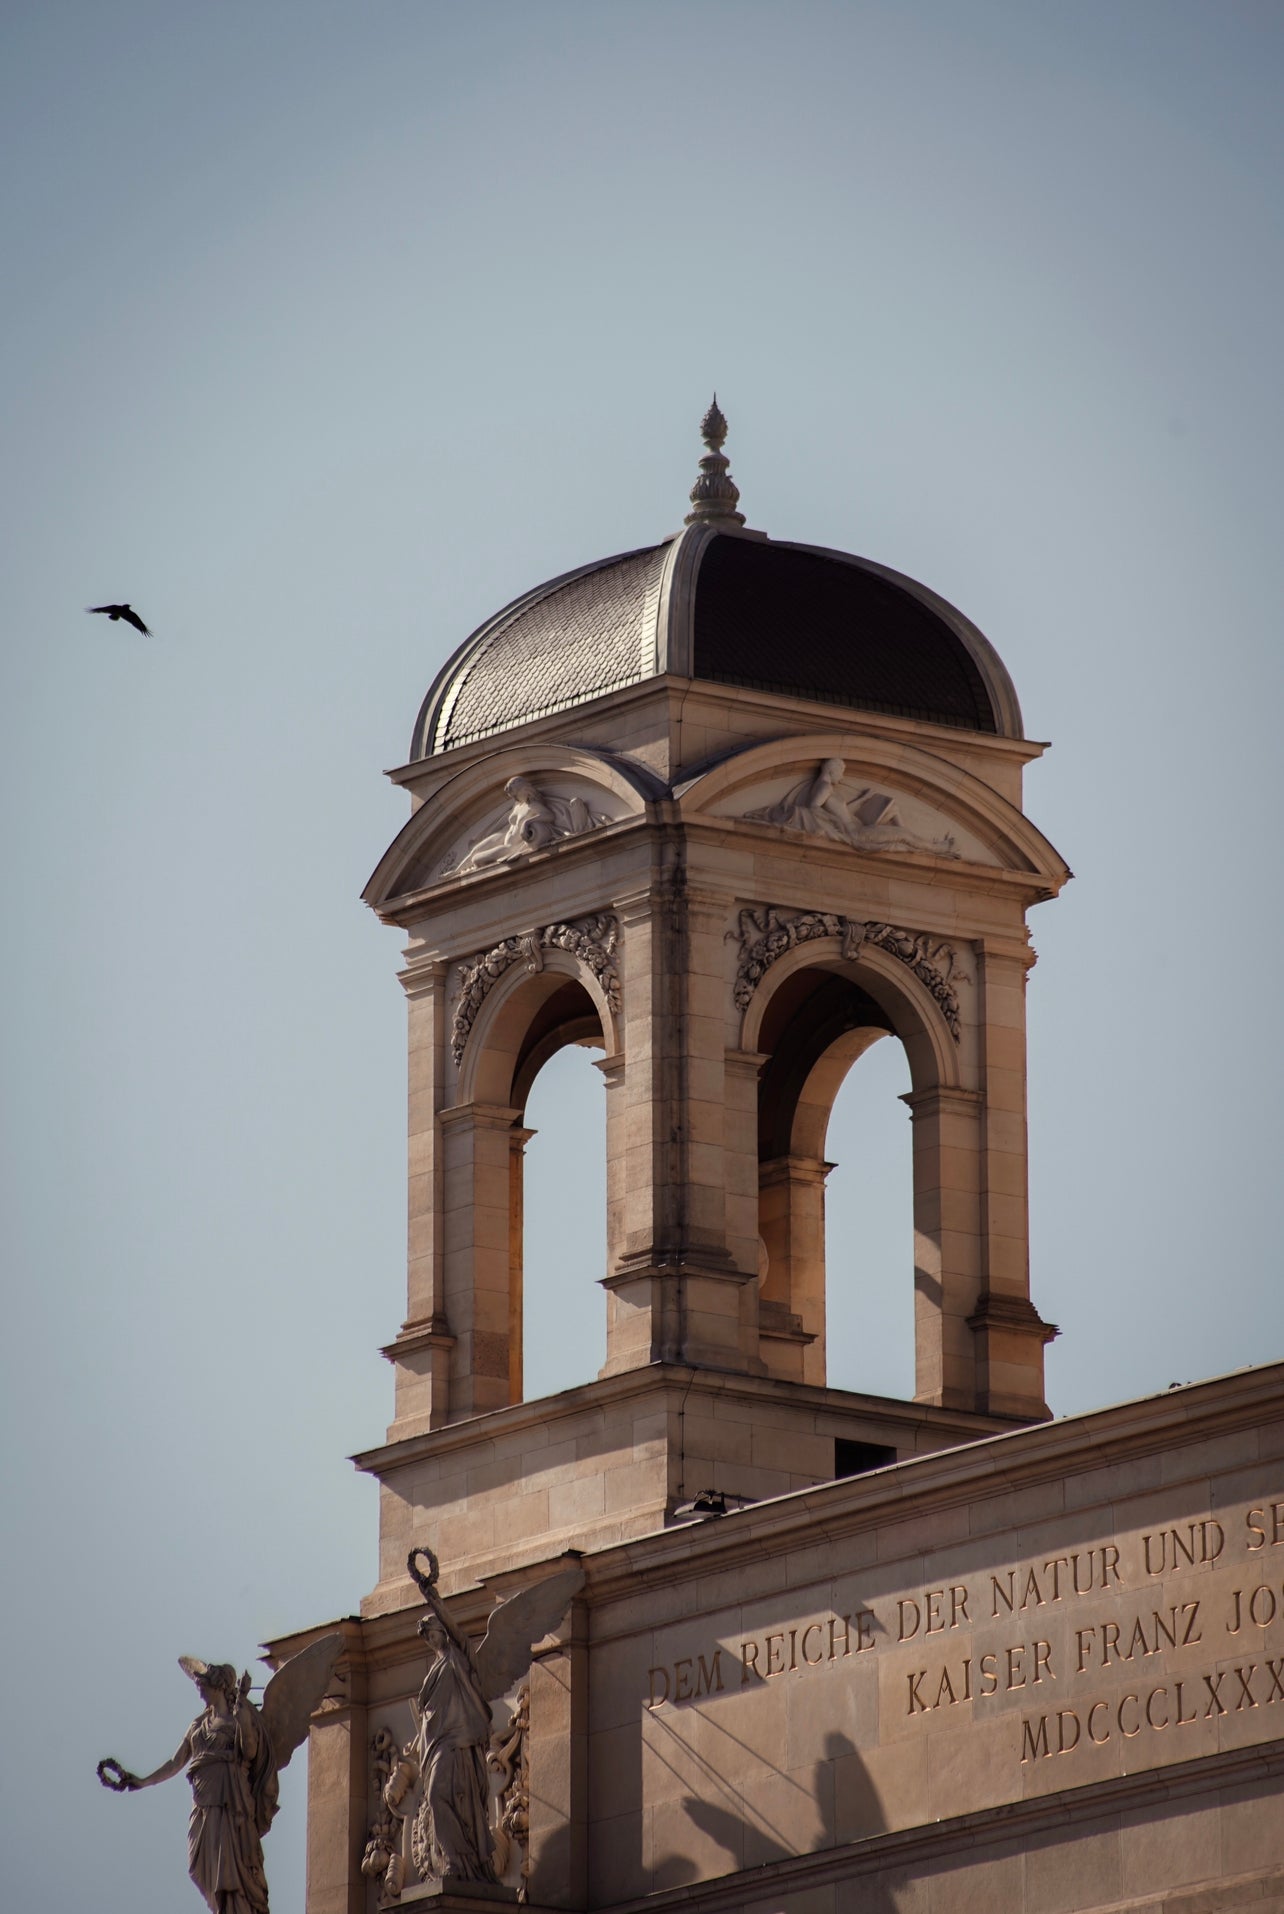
(419, 978)
(793, 1169)
(745, 1062)
(941, 1098)
(1016, 1314)
(412, 1337)
(483, 1116)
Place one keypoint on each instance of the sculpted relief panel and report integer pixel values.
(829, 804)
(534, 817)
(985, 1682)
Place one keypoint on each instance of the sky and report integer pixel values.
(327, 330)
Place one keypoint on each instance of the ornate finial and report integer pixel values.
(715, 494)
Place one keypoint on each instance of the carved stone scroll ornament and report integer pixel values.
(868, 820)
(509, 1758)
(592, 939)
(766, 934)
(535, 820)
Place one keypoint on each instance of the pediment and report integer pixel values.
(874, 797)
(500, 813)
(868, 813)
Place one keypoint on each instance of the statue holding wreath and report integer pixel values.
(233, 1753)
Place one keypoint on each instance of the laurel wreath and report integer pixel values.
(425, 1582)
(122, 1778)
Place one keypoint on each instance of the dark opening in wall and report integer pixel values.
(854, 1458)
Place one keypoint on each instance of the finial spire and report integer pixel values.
(715, 495)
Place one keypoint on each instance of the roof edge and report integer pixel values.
(434, 712)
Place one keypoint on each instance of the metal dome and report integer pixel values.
(728, 606)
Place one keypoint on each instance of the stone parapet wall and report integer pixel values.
(610, 1461)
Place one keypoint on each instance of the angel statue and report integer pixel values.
(233, 1753)
(445, 1758)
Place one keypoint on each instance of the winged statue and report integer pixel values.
(444, 1762)
(233, 1753)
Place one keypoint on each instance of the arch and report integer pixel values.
(868, 1220)
(534, 973)
(915, 1016)
(531, 1013)
(564, 1211)
(815, 1011)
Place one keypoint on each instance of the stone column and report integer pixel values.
(477, 1151)
(338, 1792)
(947, 1243)
(517, 1141)
(792, 1209)
(421, 1352)
(1010, 1335)
(559, 1773)
(740, 1073)
(674, 1292)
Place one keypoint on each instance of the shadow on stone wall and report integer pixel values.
(848, 1806)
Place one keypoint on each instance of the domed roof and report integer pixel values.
(728, 606)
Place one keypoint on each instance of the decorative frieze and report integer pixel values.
(592, 940)
(765, 934)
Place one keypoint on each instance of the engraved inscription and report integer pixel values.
(1145, 1654)
(758, 1658)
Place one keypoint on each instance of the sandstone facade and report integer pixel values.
(730, 813)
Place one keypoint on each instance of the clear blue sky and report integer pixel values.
(328, 329)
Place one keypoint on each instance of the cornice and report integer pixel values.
(929, 1845)
(672, 1378)
(945, 1479)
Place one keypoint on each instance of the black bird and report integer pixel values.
(126, 612)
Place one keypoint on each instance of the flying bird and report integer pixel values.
(126, 612)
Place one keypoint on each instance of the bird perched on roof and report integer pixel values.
(126, 612)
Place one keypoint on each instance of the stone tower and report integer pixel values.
(729, 810)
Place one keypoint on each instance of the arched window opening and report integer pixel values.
(837, 1303)
(869, 1236)
(559, 1210)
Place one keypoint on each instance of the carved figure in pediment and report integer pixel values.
(535, 820)
(233, 1753)
(445, 1759)
(869, 821)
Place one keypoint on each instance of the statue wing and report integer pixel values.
(515, 1625)
(294, 1692)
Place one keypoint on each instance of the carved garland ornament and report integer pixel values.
(592, 940)
(509, 1758)
(382, 1860)
(767, 934)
